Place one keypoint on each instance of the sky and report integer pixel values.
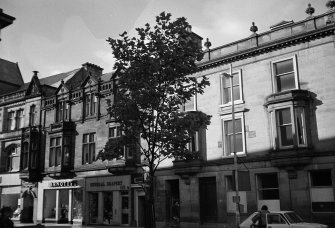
(54, 36)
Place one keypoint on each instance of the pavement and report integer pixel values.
(56, 225)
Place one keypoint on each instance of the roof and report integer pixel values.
(5, 19)
(55, 80)
(10, 74)
(107, 77)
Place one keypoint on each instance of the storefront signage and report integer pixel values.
(63, 184)
(108, 183)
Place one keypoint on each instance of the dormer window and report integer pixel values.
(90, 104)
(285, 76)
(62, 111)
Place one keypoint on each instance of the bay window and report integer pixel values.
(55, 151)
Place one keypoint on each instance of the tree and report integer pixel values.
(154, 79)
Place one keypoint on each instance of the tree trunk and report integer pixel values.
(150, 204)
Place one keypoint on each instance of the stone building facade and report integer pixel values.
(284, 99)
(52, 130)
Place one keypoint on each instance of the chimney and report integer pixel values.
(93, 69)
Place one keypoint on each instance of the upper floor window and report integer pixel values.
(12, 155)
(90, 103)
(227, 87)
(190, 105)
(88, 148)
(62, 111)
(228, 135)
(19, 118)
(290, 127)
(322, 192)
(66, 150)
(24, 155)
(114, 132)
(32, 115)
(11, 120)
(193, 145)
(285, 75)
(55, 151)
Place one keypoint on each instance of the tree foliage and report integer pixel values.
(153, 80)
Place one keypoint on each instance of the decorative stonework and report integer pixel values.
(310, 10)
(254, 28)
(207, 44)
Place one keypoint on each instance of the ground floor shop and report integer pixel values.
(201, 196)
(92, 200)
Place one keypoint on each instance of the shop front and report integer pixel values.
(108, 200)
(62, 201)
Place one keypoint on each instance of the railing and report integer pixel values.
(285, 31)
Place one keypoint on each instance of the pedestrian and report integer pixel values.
(5, 219)
(260, 218)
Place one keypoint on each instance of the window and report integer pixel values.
(275, 219)
(226, 88)
(66, 150)
(114, 132)
(291, 127)
(231, 195)
(268, 190)
(285, 75)
(62, 111)
(193, 145)
(19, 119)
(24, 155)
(12, 154)
(229, 132)
(88, 148)
(190, 105)
(55, 151)
(208, 199)
(11, 120)
(90, 104)
(32, 115)
(322, 193)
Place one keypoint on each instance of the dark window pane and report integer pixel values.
(236, 79)
(284, 116)
(284, 67)
(285, 82)
(286, 135)
(239, 143)
(208, 199)
(321, 178)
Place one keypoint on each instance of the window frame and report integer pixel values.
(19, 119)
(25, 155)
(259, 188)
(11, 120)
(32, 115)
(222, 88)
(294, 123)
(11, 155)
(90, 105)
(53, 152)
(62, 111)
(224, 119)
(274, 75)
(91, 154)
(321, 187)
(187, 103)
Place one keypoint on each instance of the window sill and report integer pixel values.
(229, 104)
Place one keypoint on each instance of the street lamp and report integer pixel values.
(237, 198)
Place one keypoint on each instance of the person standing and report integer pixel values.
(260, 217)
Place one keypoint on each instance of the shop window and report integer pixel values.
(285, 75)
(268, 190)
(208, 199)
(32, 115)
(77, 204)
(226, 88)
(24, 155)
(231, 195)
(108, 208)
(321, 190)
(229, 132)
(49, 208)
(90, 103)
(93, 208)
(290, 127)
(62, 111)
(125, 208)
(88, 148)
(55, 151)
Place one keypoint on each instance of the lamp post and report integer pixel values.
(237, 198)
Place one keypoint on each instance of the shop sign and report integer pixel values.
(108, 183)
(63, 184)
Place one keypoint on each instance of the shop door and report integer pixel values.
(63, 206)
(125, 208)
(109, 216)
